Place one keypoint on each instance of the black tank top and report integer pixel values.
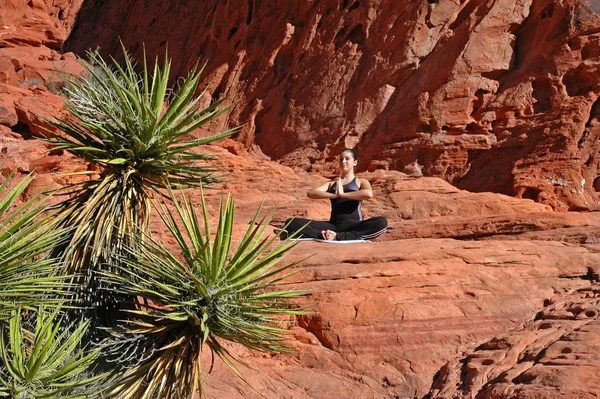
(344, 209)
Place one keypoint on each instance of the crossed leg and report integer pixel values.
(363, 230)
(308, 228)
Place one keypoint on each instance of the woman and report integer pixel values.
(346, 194)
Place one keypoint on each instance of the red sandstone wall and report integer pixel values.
(492, 95)
(37, 22)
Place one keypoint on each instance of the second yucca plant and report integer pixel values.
(218, 291)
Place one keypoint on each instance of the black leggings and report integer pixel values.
(350, 230)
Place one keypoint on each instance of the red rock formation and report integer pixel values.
(32, 71)
(490, 95)
(37, 22)
(30, 82)
(555, 356)
(389, 314)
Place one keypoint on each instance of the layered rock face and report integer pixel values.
(486, 95)
(388, 315)
(555, 356)
(489, 95)
(37, 22)
(32, 73)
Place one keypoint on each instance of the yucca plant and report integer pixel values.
(26, 279)
(136, 131)
(41, 359)
(216, 292)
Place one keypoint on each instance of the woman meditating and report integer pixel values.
(346, 194)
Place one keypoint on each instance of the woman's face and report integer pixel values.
(347, 161)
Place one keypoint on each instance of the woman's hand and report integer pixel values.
(364, 192)
(321, 192)
(339, 188)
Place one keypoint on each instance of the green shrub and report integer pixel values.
(136, 131)
(42, 360)
(26, 279)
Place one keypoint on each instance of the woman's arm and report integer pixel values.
(364, 192)
(321, 192)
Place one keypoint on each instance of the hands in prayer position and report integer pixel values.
(339, 191)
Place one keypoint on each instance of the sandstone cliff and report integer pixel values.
(494, 95)
(468, 294)
(454, 270)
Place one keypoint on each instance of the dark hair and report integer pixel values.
(351, 151)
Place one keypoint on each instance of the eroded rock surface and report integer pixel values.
(487, 95)
(386, 315)
(490, 95)
(554, 356)
(389, 314)
(37, 22)
(31, 79)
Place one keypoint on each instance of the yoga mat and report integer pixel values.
(329, 241)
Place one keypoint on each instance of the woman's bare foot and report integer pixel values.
(283, 234)
(328, 235)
